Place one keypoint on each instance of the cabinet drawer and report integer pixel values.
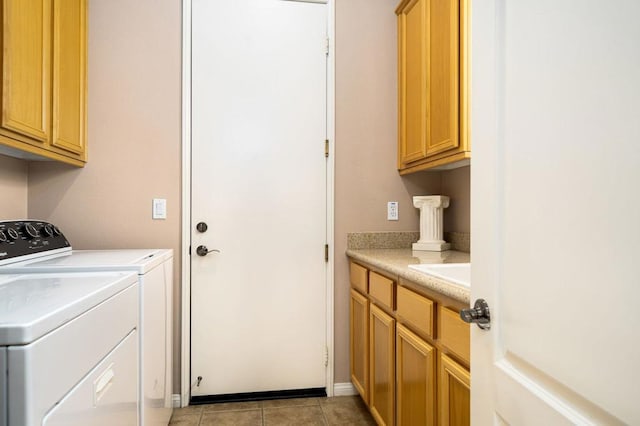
(454, 333)
(415, 310)
(358, 276)
(382, 289)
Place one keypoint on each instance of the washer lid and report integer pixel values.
(138, 260)
(32, 305)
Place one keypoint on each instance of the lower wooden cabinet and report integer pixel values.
(411, 364)
(455, 396)
(416, 378)
(359, 339)
(383, 366)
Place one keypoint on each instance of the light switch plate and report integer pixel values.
(159, 208)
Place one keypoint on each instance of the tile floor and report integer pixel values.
(340, 410)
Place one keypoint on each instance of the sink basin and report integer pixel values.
(459, 273)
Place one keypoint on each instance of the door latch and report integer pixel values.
(203, 251)
(479, 314)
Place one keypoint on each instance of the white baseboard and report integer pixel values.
(175, 398)
(344, 389)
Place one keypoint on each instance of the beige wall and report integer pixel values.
(134, 138)
(366, 134)
(13, 188)
(456, 184)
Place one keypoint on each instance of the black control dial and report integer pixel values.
(12, 234)
(56, 231)
(30, 230)
(46, 231)
(3, 237)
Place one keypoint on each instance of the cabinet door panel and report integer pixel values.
(359, 339)
(26, 68)
(69, 75)
(442, 76)
(382, 366)
(416, 370)
(455, 396)
(412, 87)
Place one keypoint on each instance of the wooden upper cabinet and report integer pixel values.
(432, 84)
(44, 79)
(26, 68)
(69, 75)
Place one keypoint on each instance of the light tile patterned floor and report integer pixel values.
(341, 410)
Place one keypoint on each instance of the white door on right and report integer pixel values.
(556, 211)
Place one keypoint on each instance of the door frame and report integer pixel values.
(185, 229)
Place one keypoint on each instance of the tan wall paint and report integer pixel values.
(456, 184)
(366, 151)
(134, 139)
(13, 188)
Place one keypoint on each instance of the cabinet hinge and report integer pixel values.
(326, 252)
(326, 356)
(326, 148)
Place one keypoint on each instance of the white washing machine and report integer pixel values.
(68, 349)
(154, 269)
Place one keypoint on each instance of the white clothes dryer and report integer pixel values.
(154, 268)
(69, 349)
(155, 276)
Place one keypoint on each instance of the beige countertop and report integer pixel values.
(397, 261)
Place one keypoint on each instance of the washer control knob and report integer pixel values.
(56, 231)
(46, 231)
(30, 230)
(3, 237)
(12, 234)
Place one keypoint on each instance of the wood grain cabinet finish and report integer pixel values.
(44, 68)
(415, 310)
(416, 378)
(382, 366)
(359, 340)
(382, 289)
(455, 396)
(432, 89)
(410, 365)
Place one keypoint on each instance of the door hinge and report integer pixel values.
(326, 252)
(189, 250)
(326, 51)
(326, 356)
(326, 148)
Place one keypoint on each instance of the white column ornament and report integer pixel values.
(431, 230)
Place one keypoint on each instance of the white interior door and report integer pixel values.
(556, 229)
(259, 182)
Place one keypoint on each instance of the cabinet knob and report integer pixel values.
(479, 314)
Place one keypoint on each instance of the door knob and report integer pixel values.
(479, 314)
(203, 251)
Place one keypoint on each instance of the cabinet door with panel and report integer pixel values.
(26, 70)
(359, 340)
(455, 396)
(432, 87)
(416, 379)
(69, 76)
(382, 366)
(44, 79)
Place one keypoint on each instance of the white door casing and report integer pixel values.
(258, 308)
(556, 235)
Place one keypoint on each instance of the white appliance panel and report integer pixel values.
(43, 372)
(34, 305)
(140, 261)
(155, 275)
(107, 396)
